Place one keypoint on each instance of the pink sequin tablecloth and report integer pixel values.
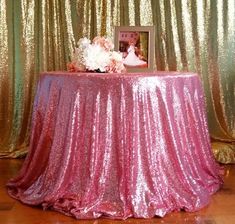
(118, 145)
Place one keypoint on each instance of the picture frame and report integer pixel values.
(136, 43)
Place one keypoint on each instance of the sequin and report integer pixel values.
(119, 146)
(41, 35)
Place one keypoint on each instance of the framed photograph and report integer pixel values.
(136, 43)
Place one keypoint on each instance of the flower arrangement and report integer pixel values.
(98, 55)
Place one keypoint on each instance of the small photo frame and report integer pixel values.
(136, 43)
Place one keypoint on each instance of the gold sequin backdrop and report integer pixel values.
(192, 35)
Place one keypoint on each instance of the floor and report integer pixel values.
(221, 209)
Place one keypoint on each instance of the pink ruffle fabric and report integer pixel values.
(118, 145)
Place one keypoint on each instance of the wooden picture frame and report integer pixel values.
(136, 43)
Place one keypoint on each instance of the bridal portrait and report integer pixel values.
(134, 48)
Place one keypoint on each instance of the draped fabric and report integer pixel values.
(190, 35)
(118, 146)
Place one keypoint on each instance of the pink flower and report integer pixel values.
(105, 43)
(115, 67)
(75, 67)
(71, 67)
(116, 63)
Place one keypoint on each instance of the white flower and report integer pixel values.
(116, 56)
(96, 57)
(83, 43)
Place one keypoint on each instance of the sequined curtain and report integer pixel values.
(35, 35)
(190, 35)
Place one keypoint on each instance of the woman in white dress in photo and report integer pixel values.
(132, 59)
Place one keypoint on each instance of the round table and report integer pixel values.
(118, 145)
